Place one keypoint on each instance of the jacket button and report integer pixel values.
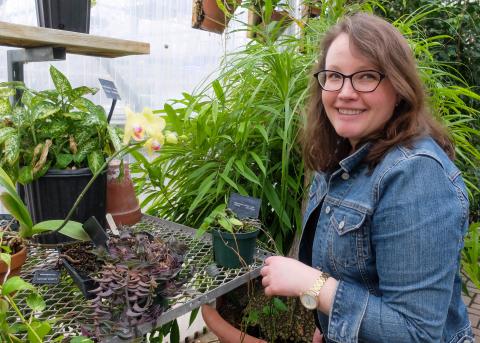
(341, 225)
(345, 176)
(327, 210)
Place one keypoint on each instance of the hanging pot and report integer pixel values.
(206, 15)
(234, 250)
(122, 202)
(69, 15)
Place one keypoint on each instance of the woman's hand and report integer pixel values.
(286, 276)
(317, 336)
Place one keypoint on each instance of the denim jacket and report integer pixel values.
(392, 237)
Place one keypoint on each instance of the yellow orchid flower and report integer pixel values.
(155, 124)
(154, 143)
(135, 126)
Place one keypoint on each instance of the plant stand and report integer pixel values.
(208, 282)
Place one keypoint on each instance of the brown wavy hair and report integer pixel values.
(385, 46)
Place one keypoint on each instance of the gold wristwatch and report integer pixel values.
(309, 297)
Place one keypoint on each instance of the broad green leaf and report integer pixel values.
(38, 331)
(61, 83)
(18, 210)
(279, 304)
(12, 149)
(6, 258)
(81, 91)
(74, 115)
(6, 132)
(27, 98)
(259, 162)
(3, 306)
(36, 302)
(14, 284)
(84, 150)
(63, 160)
(44, 110)
(72, 229)
(25, 175)
(175, 333)
(5, 92)
(5, 107)
(114, 138)
(95, 161)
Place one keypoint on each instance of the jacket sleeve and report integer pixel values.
(416, 237)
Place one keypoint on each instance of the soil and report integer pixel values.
(79, 255)
(294, 324)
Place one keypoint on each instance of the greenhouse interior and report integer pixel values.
(202, 171)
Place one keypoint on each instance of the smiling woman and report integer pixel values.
(374, 262)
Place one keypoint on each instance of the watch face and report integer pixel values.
(309, 300)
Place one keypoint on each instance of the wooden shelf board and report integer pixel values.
(23, 36)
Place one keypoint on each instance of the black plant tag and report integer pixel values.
(110, 89)
(96, 232)
(244, 207)
(51, 277)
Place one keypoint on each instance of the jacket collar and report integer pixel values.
(350, 162)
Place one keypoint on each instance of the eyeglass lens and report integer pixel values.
(362, 81)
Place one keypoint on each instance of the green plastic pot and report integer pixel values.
(234, 250)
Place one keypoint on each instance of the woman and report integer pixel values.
(387, 209)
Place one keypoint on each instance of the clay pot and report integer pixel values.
(225, 332)
(16, 264)
(122, 202)
(206, 15)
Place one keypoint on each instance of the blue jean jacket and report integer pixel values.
(392, 237)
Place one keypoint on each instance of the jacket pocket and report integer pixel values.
(349, 239)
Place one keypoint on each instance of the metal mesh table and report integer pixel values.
(69, 310)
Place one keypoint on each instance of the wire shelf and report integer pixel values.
(69, 311)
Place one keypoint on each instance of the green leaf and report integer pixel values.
(279, 304)
(81, 339)
(61, 83)
(259, 162)
(7, 258)
(14, 284)
(81, 91)
(18, 210)
(247, 172)
(95, 161)
(44, 110)
(3, 306)
(193, 316)
(72, 229)
(175, 333)
(63, 160)
(36, 302)
(218, 91)
(5, 92)
(274, 200)
(25, 175)
(84, 150)
(38, 331)
(6, 132)
(204, 188)
(5, 107)
(114, 138)
(12, 149)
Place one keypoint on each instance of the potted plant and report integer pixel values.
(233, 239)
(52, 142)
(71, 15)
(213, 15)
(268, 20)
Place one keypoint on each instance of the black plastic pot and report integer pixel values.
(70, 15)
(234, 250)
(53, 195)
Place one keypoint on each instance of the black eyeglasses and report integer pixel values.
(364, 81)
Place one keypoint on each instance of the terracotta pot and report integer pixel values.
(122, 203)
(16, 264)
(225, 332)
(206, 15)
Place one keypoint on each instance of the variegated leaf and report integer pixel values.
(20, 117)
(74, 115)
(61, 83)
(44, 110)
(5, 133)
(95, 160)
(5, 92)
(83, 151)
(5, 106)
(114, 138)
(81, 91)
(12, 149)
